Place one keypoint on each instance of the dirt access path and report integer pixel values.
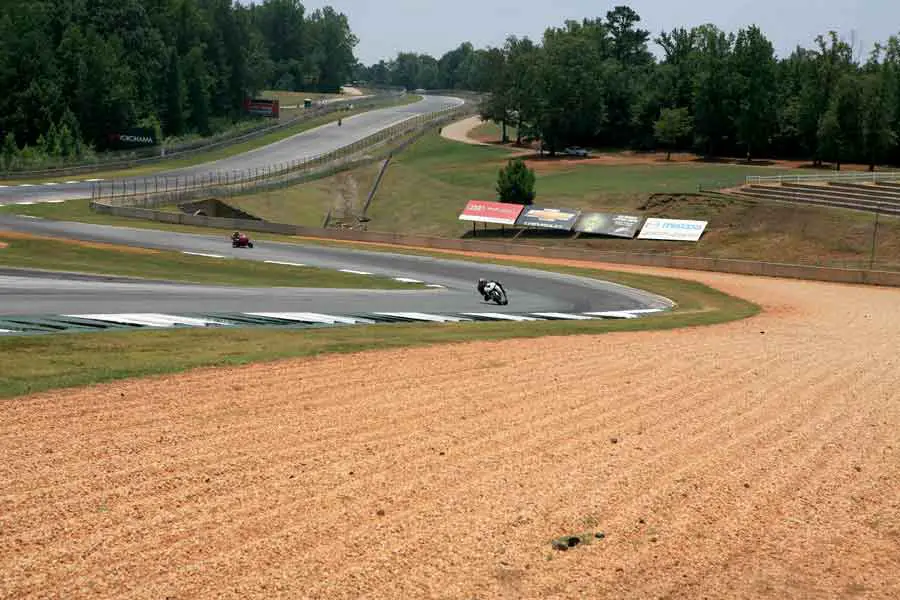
(757, 459)
(459, 131)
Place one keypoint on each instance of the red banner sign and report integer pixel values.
(262, 106)
(491, 212)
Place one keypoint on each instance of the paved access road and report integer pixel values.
(303, 145)
(530, 290)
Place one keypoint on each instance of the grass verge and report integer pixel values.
(35, 252)
(227, 151)
(38, 363)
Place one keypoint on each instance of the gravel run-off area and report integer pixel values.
(756, 459)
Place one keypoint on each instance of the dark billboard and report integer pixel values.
(548, 218)
(135, 137)
(625, 226)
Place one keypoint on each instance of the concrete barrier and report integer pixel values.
(693, 263)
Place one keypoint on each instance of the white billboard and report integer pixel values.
(678, 230)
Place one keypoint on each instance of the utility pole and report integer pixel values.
(874, 238)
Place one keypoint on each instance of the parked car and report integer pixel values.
(576, 151)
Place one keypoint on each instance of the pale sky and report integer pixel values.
(385, 27)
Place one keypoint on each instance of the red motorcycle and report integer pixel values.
(240, 240)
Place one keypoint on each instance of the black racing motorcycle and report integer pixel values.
(498, 295)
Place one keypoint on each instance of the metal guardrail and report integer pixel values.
(873, 177)
(192, 148)
(154, 191)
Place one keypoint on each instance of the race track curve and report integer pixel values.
(313, 142)
(452, 281)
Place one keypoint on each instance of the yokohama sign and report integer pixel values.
(132, 138)
(491, 212)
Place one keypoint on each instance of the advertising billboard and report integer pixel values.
(625, 226)
(262, 107)
(491, 212)
(548, 218)
(678, 230)
(135, 137)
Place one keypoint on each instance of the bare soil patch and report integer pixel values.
(758, 459)
(14, 235)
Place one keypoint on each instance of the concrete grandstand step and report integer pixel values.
(835, 191)
(776, 195)
(826, 202)
(823, 193)
(869, 189)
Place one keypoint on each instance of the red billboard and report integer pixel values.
(491, 212)
(262, 107)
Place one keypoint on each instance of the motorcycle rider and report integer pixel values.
(235, 236)
(485, 287)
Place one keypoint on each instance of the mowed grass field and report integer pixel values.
(54, 254)
(427, 186)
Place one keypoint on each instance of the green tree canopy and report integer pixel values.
(515, 183)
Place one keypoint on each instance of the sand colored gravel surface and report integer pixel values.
(757, 459)
(459, 131)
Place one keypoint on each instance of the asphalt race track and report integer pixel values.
(451, 282)
(303, 145)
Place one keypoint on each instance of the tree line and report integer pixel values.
(596, 83)
(74, 71)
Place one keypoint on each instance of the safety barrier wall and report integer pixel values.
(745, 267)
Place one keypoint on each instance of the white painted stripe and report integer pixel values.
(30, 217)
(307, 317)
(25, 203)
(72, 182)
(53, 201)
(502, 316)
(645, 311)
(435, 285)
(146, 319)
(563, 316)
(26, 185)
(289, 264)
(613, 314)
(424, 317)
(4, 186)
(150, 319)
(407, 280)
(354, 272)
(92, 180)
(202, 254)
(6, 331)
(52, 183)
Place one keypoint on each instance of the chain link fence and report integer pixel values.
(157, 191)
